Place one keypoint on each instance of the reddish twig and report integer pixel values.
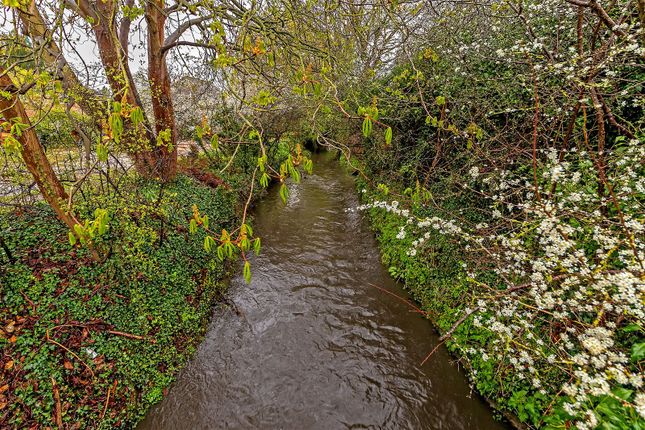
(57, 411)
(49, 339)
(402, 299)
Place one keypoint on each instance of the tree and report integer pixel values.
(23, 138)
(153, 157)
(42, 39)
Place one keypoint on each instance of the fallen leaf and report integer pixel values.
(13, 339)
(4, 388)
(8, 365)
(68, 365)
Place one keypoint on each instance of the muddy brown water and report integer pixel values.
(314, 345)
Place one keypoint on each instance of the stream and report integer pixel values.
(313, 344)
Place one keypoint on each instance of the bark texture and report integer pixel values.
(32, 152)
(151, 159)
(36, 28)
(160, 87)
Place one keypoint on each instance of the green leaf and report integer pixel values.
(136, 116)
(102, 221)
(367, 126)
(247, 272)
(309, 166)
(17, 128)
(208, 243)
(295, 175)
(632, 328)
(441, 100)
(72, 238)
(638, 351)
(264, 180)
(388, 136)
(284, 193)
(256, 246)
(12, 3)
(101, 152)
(116, 125)
(80, 232)
(622, 393)
(164, 138)
(193, 226)
(12, 146)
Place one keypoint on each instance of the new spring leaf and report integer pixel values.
(367, 126)
(247, 272)
(284, 193)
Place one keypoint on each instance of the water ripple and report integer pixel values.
(313, 345)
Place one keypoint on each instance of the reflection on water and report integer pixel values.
(314, 345)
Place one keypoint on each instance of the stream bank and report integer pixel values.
(94, 345)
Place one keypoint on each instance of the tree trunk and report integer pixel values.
(136, 140)
(149, 159)
(36, 28)
(33, 154)
(160, 89)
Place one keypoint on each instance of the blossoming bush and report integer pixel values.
(512, 201)
(563, 296)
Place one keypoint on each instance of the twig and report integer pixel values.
(536, 118)
(248, 200)
(458, 323)
(68, 350)
(407, 302)
(107, 400)
(92, 326)
(231, 160)
(59, 417)
(441, 342)
(31, 303)
(128, 335)
(449, 333)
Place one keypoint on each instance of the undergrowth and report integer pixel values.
(94, 345)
